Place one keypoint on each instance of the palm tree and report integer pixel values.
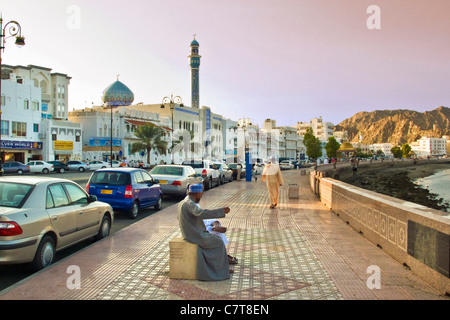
(151, 138)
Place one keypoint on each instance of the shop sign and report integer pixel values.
(30, 145)
(62, 145)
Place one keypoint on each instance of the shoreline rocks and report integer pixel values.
(399, 183)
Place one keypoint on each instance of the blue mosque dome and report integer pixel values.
(118, 94)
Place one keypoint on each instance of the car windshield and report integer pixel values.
(194, 164)
(110, 178)
(170, 171)
(232, 165)
(13, 194)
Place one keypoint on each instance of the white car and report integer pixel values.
(96, 164)
(39, 166)
(286, 164)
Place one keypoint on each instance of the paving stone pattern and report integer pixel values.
(299, 251)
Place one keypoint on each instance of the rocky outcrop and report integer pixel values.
(396, 126)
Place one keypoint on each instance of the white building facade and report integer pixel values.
(34, 119)
(429, 147)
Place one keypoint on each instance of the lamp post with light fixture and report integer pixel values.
(14, 29)
(245, 123)
(171, 101)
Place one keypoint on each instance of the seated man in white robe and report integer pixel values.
(212, 258)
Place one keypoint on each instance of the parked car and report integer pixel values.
(41, 216)
(59, 166)
(116, 163)
(139, 164)
(96, 164)
(226, 174)
(175, 179)
(126, 189)
(209, 172)
(258, 168)
(15, 167)
(75, 165)
(39, 166)
(286, 164)
(233, 167)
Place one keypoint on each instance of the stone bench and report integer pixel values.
(182, 259)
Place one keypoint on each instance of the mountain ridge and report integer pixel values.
(396, 126)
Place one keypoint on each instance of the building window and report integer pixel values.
(19, 129)
(35, 106)
(3, 100)
(26, 104)
(77, 138)
(35, 127)
(54, 137)
(5, 128)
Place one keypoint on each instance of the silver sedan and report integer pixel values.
(40, 216)
(175, 179)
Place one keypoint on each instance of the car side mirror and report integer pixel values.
(92, 198)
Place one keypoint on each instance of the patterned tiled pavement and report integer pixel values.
(300, 251)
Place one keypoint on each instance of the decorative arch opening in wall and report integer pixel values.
(44, 86)
(41, 80)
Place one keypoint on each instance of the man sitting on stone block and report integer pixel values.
(212, 258)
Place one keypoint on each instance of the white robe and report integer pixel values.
(212, 258)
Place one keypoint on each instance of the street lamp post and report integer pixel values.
(244, 123)
(14, 29)
(171, 101)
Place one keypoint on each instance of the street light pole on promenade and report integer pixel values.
(14, 30)
(171, 101)
(244, 123)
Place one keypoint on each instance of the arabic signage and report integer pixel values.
(62, 145)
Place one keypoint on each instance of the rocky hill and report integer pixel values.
(396, 126)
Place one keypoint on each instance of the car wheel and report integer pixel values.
(105, 228)
(81, 169)
(210, 184)
(61, 170)
(133, 213)
(158, 205)
(45, 253)
(19, 171)
(45, 170)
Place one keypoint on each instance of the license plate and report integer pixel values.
(106, 191)
(163, 181)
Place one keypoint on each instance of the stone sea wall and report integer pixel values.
(416, 236)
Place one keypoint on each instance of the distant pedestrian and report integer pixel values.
(274, 179)
(254, 172)
(354, 166)
(238, 168)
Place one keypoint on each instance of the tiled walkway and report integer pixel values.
(299, 251)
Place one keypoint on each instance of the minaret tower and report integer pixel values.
(194, 61)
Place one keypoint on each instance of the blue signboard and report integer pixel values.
(101, 142)
(208, 127)
(9, 144)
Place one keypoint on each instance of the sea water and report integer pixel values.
(438, 183)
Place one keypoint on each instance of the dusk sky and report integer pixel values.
(288, 60)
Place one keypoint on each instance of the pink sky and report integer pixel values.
(289, 60)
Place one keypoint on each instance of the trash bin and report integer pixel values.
(293, 191)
